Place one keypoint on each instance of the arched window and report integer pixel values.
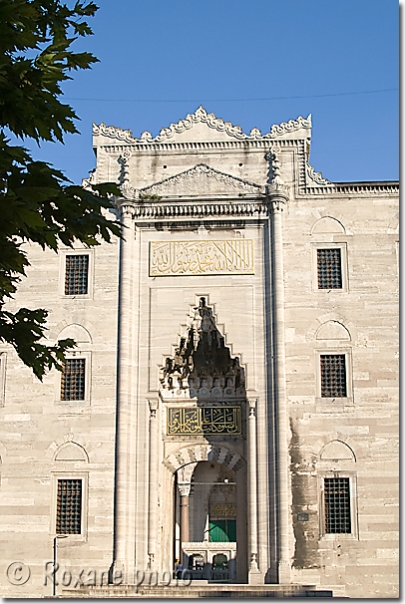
(338, 490)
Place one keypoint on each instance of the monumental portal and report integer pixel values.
(232, 401)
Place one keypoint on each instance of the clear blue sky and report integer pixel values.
(160, 59)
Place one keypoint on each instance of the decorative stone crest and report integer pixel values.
(315, 177)
(91, 180)
(211, 120)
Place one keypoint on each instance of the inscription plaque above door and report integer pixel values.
(221, 257)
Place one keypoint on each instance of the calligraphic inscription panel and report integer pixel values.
(183, 421)
(222, 257)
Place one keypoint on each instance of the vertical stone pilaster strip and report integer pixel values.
(255, 576)
(153, 481)
(124, 536)
(278, 197)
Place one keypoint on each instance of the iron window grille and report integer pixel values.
(333, 375)
(73, 380)
(329, 268)
(337, 505)
(69, 507)
(77, 274)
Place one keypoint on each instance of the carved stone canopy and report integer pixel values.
(201, 361)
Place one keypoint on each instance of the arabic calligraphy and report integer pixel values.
(224, 257)
(203, 420)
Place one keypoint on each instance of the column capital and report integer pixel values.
(252, 402)
(126, 207)
(153, 406)
(184, 488)
(277, 194)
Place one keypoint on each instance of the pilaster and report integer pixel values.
(153, 481)
(255, 575)
(278, 197)
(124, 536)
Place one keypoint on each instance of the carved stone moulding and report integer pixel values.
(359, 190)
(187, 211)
(215, 395)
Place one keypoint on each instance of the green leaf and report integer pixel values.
(37, 203)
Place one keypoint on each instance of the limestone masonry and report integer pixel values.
(230, 412)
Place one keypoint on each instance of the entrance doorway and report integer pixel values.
(207, 524)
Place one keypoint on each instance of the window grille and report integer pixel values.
(333, 375)
(329, 269)
(69, 507)
(73, 380)
(76, 275)
(337, 505)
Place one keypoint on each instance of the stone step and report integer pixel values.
(204, 589)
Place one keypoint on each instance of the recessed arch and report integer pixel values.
(78, 333)
(327, 224)
(58, 444)
(336, 450)
(71, 451)
(332, 330)
(330, 316)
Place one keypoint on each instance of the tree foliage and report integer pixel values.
(37, 202)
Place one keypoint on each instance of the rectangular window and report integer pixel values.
(333, 375)
(73, 380)
(69, 507)
(329, 268)
(337, 505)
(76, 274)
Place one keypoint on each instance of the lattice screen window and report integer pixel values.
(329, 268)
(333, 375)
(337, 505)
(76, 274)
(69, 507)
(73, 380)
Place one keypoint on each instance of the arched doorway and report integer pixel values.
(210, 512)
(207, 518)
(203, 391)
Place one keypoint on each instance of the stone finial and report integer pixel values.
(126, 188)
(277, 191)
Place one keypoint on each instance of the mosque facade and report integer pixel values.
(230, 410)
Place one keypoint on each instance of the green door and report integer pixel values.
(223, 530)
